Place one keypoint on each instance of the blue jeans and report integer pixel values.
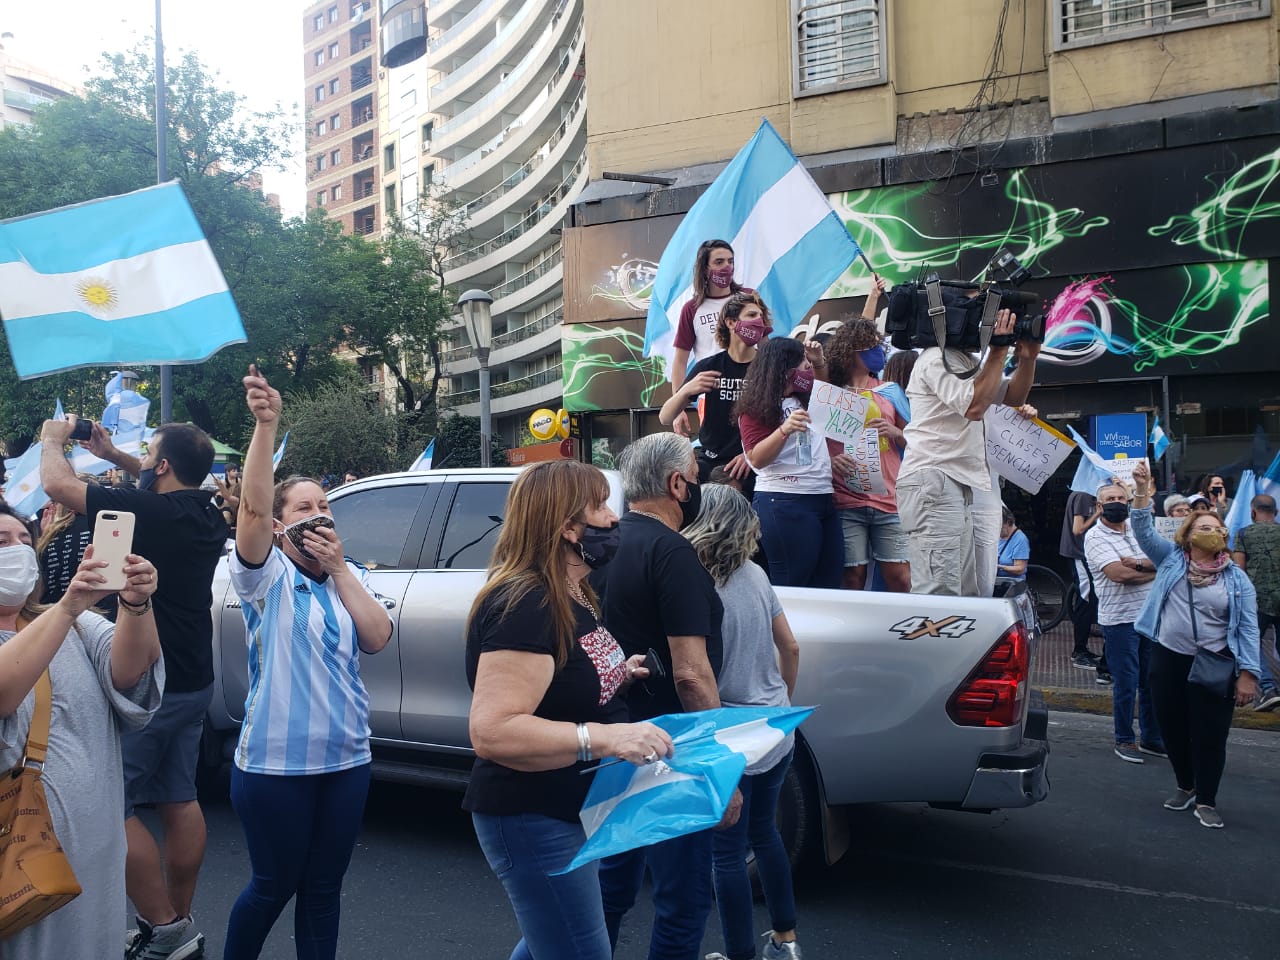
(680, 870)
(1128, 657)
(1265, 620)
(802, 538)
(758, 828)
(300, 832)
(561, 918)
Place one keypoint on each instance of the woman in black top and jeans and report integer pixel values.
(546, 677)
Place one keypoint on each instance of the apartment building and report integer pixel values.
(340, 65)
(26, 87)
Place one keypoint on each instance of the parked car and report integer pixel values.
(921, 698)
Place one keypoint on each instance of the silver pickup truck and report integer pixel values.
(922, 698)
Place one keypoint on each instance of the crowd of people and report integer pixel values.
(588, 627)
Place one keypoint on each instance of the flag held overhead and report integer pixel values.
(127, 279)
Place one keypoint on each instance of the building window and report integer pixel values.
(333, 51)
(319, 93)
(388, 158)
(428, 174)
(427, 129)
(319, 58)
(336, 192)
(321, 162)
(389, 197)
(335, 121)
(333, 14)
(367, 223)
(838, 44)
(318, 23)
(1097, 21)
(334, 86)
(335, 158)
(320, 196)
(322, 128)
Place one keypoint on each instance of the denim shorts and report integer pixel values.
(160, 759)
(870, 533)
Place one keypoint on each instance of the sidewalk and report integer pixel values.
(1071, 688)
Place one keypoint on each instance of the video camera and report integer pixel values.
(960, 315)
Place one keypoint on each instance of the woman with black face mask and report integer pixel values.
(547, 678)
(1202, 612)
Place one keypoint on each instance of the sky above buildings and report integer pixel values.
(256, 48)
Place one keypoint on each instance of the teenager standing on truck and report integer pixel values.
(301, 769)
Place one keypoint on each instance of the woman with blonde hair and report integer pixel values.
(761, 659)
(547, 678)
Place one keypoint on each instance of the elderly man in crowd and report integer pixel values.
(1257, 552)
(658, 599)
(1122, 576)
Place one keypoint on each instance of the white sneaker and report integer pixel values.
(773, 950)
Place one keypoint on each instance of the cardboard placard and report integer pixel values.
(867, 476)
(837, 413)
(1026, 452)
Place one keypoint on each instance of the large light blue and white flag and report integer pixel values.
(279, 454)
(1092, 472)
(424, 459)
(127, 279)
(126, 410)
(1269, 482)
(22, 488)
(1239, 516)
(788, 244)
(1159, 442)
(126, 441)
(629, 806)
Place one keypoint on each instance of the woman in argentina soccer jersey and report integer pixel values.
(547, 680)
(302, 764)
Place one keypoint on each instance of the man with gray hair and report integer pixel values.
(659, 601)
(1256, 551)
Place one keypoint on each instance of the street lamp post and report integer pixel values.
(477, 317)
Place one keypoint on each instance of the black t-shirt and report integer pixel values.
(183, 534)
(60, 559)
(1078, 505)
(583, 691)
(655, 588)
(718, 432)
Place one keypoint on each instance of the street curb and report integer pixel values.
(1087, 701)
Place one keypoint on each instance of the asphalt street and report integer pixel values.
(1099, 869)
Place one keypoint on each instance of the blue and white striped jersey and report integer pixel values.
(307, 711)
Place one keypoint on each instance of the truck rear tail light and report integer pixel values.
(992, 695)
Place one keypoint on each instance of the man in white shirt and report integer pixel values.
(1122, 576)
(946, 458)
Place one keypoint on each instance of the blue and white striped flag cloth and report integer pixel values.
(127, 279)
(126, 410)
(424, 459)
(896, 396)
(1159, 442)
(1269, 482)
(22, 489)
(1092, 472)
(279, 454)
(128, 441)
(1239, 516)
(57, 411)
(789, 245)
(629, 806)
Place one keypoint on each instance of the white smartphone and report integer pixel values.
(112, 542)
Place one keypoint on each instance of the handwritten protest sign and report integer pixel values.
(838, 414)
(867, 476)
(1024, 451)
(1122, 468)
(1168, 526)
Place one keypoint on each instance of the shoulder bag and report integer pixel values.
(35, 875)
(1212, 672)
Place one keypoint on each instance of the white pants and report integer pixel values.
(936, 513)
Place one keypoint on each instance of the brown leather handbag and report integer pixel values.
(35, 876)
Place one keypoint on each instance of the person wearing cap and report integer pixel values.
(1199, 503)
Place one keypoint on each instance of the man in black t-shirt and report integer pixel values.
(183, 534)
(1082, 512)
(657, 596)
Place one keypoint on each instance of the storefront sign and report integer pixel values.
(1115, 435)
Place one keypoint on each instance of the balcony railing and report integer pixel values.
(522, 174)
(542, 208)
(541, 269)
(361, 81)
(447, 36)
(518, 335)
(474, 62)
(511, 387)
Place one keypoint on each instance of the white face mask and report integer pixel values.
(19, 571)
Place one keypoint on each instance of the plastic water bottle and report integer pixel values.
(804, 454)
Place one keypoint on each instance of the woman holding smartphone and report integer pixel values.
(302, 764)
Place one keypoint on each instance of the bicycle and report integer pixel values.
(1050, 594)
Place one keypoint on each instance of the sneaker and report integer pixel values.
(136, 939)
(1267, 700)
(1084, 660)
(1153, 749)
(1129, 752)
(715, 956)
(1181, 799)
(1104, 677)
(179, 940)
(1208, 817)
(773, 950)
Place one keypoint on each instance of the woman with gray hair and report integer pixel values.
(761, 659)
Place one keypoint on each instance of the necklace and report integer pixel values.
(580, 597)
(651, 516)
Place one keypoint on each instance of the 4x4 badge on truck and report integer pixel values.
(952, 627)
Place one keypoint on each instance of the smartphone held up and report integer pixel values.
(113, 542)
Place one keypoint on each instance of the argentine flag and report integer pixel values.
(127, 279)
(1269, 482)
(629, 806)
(1092, 472)
(279, 454)
(1159, 442)
(788, 244)
(424, 460)
(22, 488)
(1240, 515)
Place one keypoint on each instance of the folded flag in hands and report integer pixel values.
(634, 806)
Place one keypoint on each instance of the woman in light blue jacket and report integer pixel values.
(1200, 601)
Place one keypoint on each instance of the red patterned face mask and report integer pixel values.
(721, 278)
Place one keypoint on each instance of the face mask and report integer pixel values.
(597, 545)
(690, 506)
(147, 478)
(1210, 541)
(801, 380)
(1115, 512)
(294, 532)
(873, 359)
(721, 278)
(19, 571)
(750, 331)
